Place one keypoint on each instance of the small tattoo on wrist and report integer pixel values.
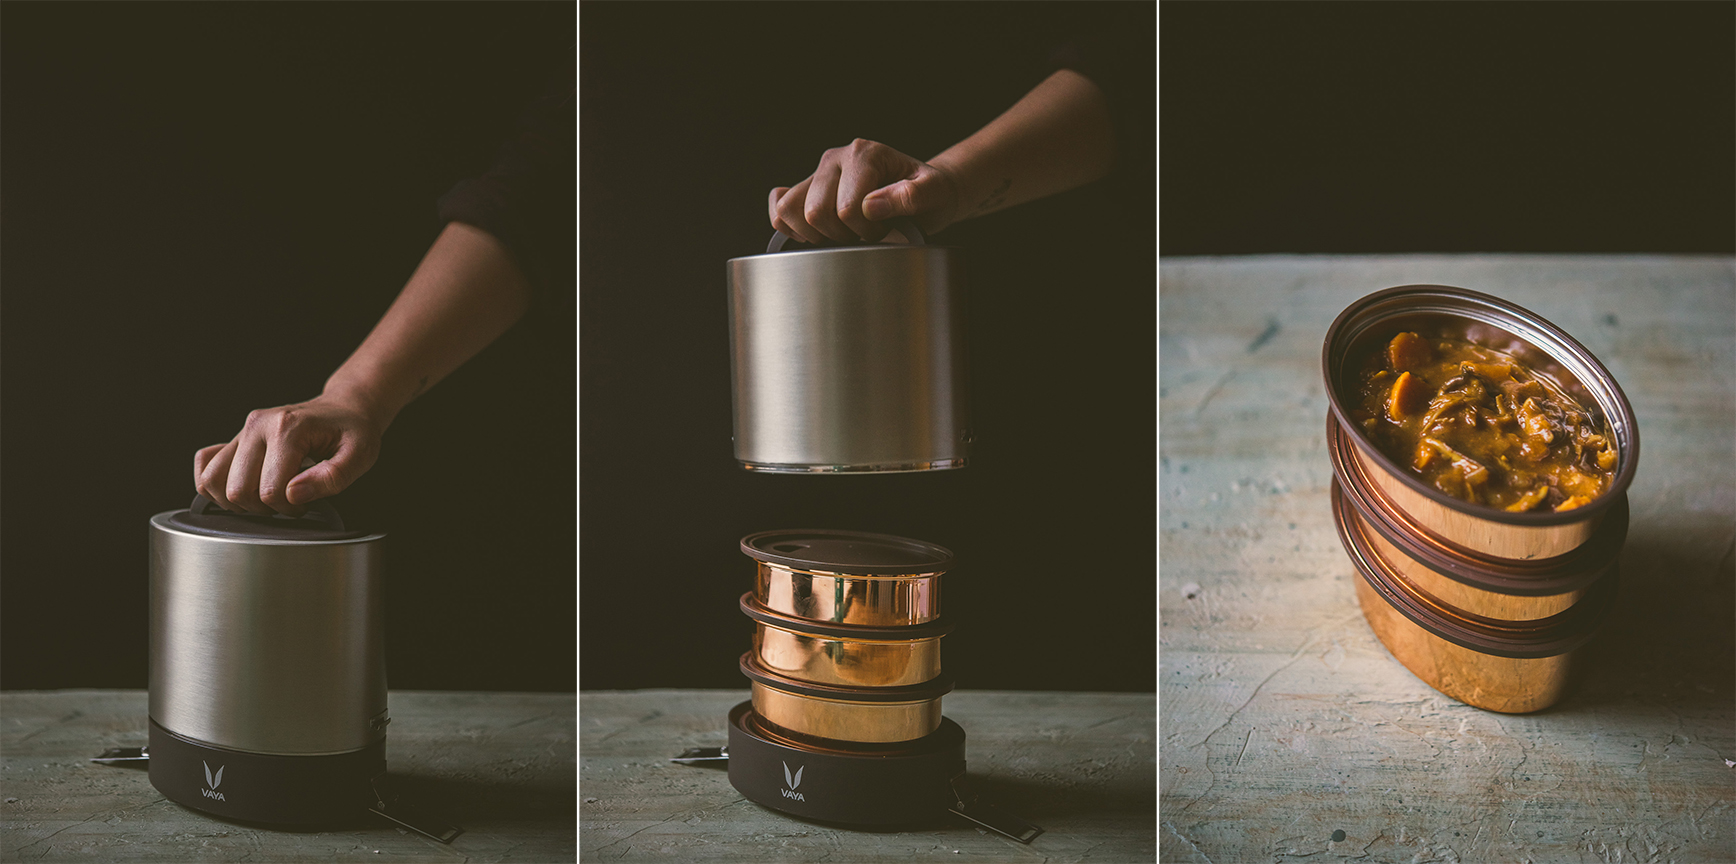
(997, 197)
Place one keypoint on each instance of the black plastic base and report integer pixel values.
(253, 787)
(876, 785)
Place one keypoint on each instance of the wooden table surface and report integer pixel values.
(501, 765)
(1080, 765)
(1284, 720)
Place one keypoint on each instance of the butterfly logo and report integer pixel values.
(213, 780)
(790, 781)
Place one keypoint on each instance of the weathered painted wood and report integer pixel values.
(500, 764)
(1081, 765)
(1283, 718)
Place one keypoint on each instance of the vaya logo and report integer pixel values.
(792, 781)
(215, 780)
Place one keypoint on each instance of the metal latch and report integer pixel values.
(694, 755)
(393, 809)
(133, 756)
(970, 806)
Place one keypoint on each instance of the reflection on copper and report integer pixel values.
(846, 662)
(837, 720)
(1485, 679)
(872, 601)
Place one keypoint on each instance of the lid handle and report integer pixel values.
(902, 224)
(320, 511)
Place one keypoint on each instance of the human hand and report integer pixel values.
(260, 470)
(859, 186)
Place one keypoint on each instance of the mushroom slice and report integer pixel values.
(1530, 499)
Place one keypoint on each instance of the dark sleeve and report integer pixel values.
(1123, 64)
(526, 199)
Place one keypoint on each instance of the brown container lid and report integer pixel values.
(846, 552)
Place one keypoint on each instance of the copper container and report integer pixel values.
(1514, 667)
(1437, 311)
(847, 714)
(842, 654)
(847, 577)
(1473, 585)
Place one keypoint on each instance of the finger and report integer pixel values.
(913, 197)
(215, 478)
(858, 179)
(282, 462)
(789, 210)
(242, 487)
(325, 479)
(821, 206)
(202, 458)
(772, 208)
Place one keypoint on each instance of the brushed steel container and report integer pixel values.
(849, 359)
(869, 715)
(1438, 311)
(847, 577)
(267, 645)
(843, 655)
(1513, 667)
(1472, 585)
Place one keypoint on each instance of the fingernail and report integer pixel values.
(876, 208)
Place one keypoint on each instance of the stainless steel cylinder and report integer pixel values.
(849, 360)
(267, 646)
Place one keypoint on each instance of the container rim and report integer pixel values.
(922, 558)
(163, 522)
(902, 634)
(1534, 330)
(928, 691)
(1531, 578)
(871, 248)
(1549, 637)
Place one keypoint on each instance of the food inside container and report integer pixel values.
(1481, 426)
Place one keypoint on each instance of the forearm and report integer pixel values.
(465, 293)
(1058, 137)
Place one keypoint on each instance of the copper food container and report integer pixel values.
(1437, 311)
(847, 577)
(842, 654)
(846, 714)
(1510, 666)
(1473, 585)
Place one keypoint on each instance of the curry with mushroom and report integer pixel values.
(1480, 426)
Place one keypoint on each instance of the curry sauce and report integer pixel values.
(1480, 426)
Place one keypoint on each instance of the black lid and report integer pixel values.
(846, 552)
(320, 522)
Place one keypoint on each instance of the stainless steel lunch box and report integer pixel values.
(267, 664)
(849, 359)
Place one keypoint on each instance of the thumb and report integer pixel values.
(328, 478)
(904, 198)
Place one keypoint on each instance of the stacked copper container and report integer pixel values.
(846, 646)
(1487, 606)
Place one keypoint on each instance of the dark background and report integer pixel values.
(206, 207)
(689, 115)
(1448, 127)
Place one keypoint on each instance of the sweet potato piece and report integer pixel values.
(1407, 351)
(1409, 395)
(1606, 459)
(1573, 503)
